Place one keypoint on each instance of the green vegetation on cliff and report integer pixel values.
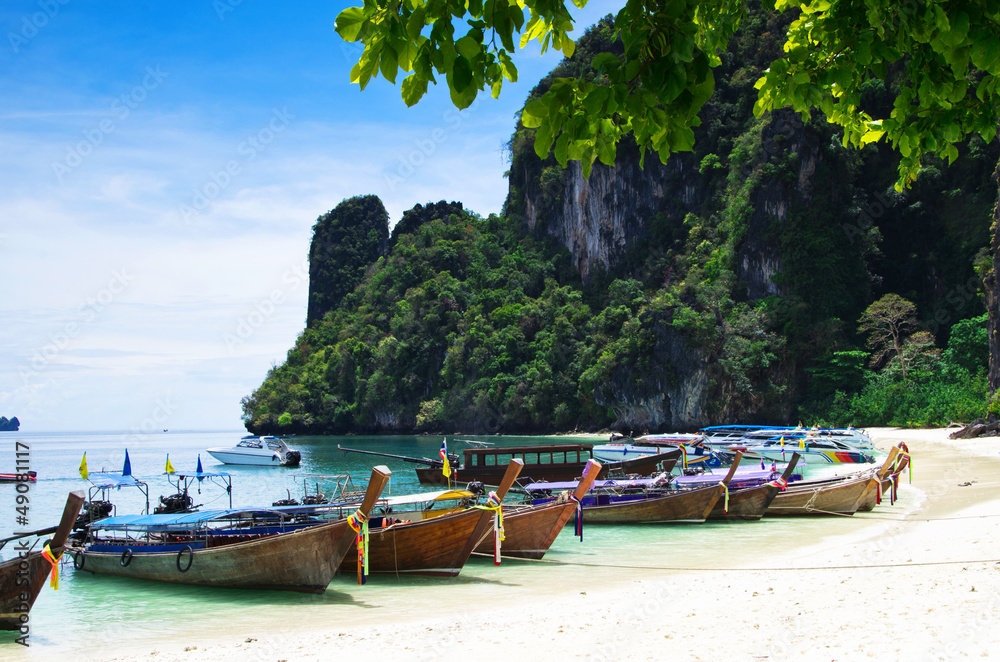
(346, 240)
(735, 295)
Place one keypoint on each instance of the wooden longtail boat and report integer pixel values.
(838, 497)
(23, 477)
(555, 462)
(22, 577)
(302, 560)
(425, 542)
(676, 506)
(552, 462)
(530, 530)
(750, 503)
(885, 481)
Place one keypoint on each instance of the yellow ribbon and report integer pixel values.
(725, 506)
(53, 560)
(493, 503)
(359, 524)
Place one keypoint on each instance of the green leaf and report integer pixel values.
(537, 107)
(349, 23)
(415, 24)
(464, 98)
(461, 72)
(388, 63)
(543, 141)
(468, 47)
(986, 51)
(568, 46)
(413, 88)
(594, 101)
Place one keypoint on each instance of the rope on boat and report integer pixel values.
(796, 569)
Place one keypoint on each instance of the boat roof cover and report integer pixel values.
(402, 500)
(443, 495)
(105, 480)
(198, 474)
(598, 484)
(183, 521)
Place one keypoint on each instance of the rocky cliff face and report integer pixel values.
(600, 218)
(784, 137)
(673, 397)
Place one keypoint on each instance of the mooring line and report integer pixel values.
(783, 569)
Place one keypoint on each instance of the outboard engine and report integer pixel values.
(175, 503)
(286, 502)
(476, 488)
(93, 511)
(292, 458)
(314, 500)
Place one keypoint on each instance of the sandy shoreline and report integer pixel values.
(926, 587)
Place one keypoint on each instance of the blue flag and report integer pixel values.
(200, 470)
(127, 469)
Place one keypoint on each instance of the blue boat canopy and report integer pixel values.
(598, 484)
(198, 474)
(108, 480)
(181, 522)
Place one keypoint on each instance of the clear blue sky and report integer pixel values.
(162, 166)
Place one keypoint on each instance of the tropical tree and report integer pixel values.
(653, 91)
(888, 322)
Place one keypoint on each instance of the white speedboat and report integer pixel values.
(261, 451)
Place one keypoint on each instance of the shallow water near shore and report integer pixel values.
(93, 615)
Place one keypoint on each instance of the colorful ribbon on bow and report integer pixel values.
(494, 503)
(53, 560)
(359, 524)
(725, 505)
(578, 526)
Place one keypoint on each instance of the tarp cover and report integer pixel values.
(183, 521)
(105, 480)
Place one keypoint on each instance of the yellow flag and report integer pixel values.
(446, 469)
(170, 467)
(802, 442)
(83, 467)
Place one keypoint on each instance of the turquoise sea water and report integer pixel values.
(91, 614)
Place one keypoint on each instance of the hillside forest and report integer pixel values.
(771, 275)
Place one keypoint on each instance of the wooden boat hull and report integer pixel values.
(555, 472)
(748, 503)
(529, 531)
(682, 506)
(21, 580)
(839, 497)
(436, 547)
(304, 560)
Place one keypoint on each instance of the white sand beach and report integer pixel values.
(922, 584)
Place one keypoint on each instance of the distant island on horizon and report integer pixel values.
(9, 426)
